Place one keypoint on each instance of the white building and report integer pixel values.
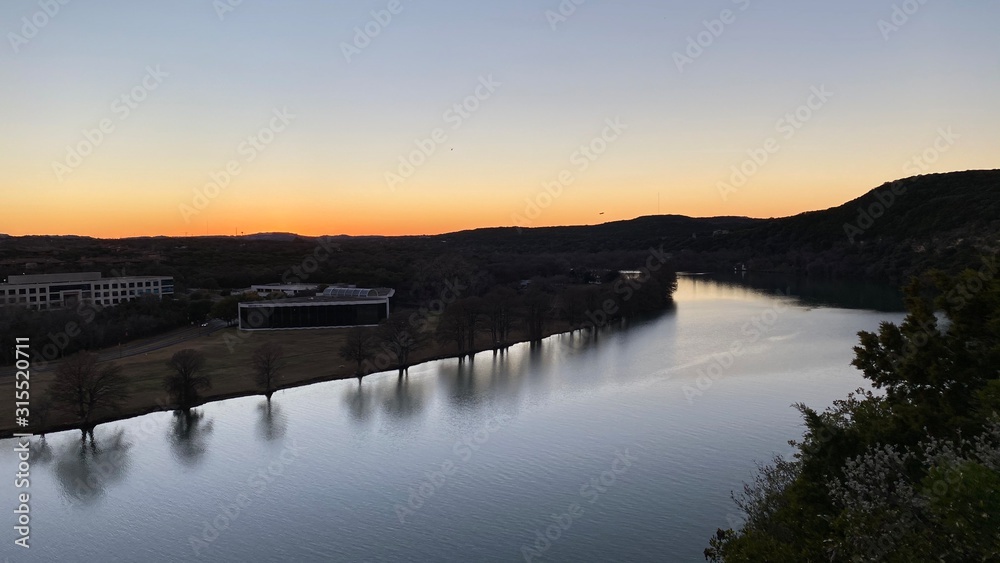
(60, 291)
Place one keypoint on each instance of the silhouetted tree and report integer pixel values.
(184, 382)
(454, 326)
(227, 309)
(536, 308)
(358, 347)
(268, 359)
(83, 388)
(401, 338)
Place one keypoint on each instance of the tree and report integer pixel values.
(454, 326)
(184, 382)
(574, 304)
(908, 473)
(268, 360)
(401, 338)
(498, 312)
(358, 347)
(227, 309)
(84, 389)
(537, 304)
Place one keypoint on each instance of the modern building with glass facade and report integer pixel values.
(63, 291)
(337, 307)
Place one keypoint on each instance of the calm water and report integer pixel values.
(623, 450)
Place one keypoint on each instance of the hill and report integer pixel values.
(942, 220)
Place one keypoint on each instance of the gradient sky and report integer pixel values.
(894, 90)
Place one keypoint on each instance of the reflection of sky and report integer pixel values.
(547, 420)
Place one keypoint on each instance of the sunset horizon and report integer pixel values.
(603, 217)
(343, 120)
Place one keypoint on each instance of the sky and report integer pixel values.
(195, 117)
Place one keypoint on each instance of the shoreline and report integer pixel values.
(139, 408)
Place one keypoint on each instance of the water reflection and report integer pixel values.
(271, 421)
(360, 402)
(189, 436)
(41, 451)
(403, 399)
(85, 468)
(809, 291)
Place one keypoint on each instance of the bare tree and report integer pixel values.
(184, 383)
(401, 338)
(453, 326)
(536, 308)
(83, 389)
(268, 360)
(358, 347)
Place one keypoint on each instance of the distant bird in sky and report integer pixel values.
(601, 213)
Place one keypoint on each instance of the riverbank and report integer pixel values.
(312, 356)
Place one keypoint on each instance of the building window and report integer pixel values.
(21, 291)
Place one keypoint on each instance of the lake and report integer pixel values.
(619, 448)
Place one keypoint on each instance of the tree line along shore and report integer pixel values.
(80, 392)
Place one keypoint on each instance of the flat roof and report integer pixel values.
(318, 300)
(70, 278)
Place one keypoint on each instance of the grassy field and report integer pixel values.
(310, 356)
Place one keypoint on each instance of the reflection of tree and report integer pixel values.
(188, 435)
(272, 422)
(85, 469)
(359, 403)
(41, 450)
(463, 384)
(403, 400)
